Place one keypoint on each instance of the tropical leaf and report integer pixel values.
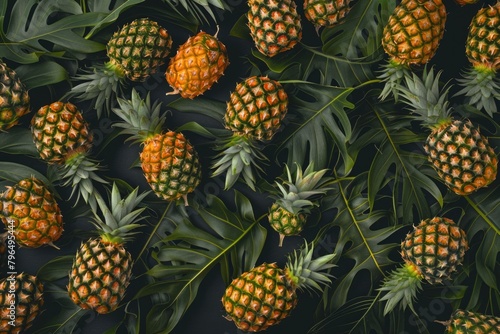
(18, 140)
(232, 239)
(360, 36)
(14, 172)
(358, 240)
(30, 35)
(398, 166)
(41, 74)
(56, 268)
(319, 115)
(199, 9)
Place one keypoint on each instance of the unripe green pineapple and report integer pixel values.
(32, 211)
(326, 13)
(265, 295)
(431, 252)
(289, 212)
(63, 139)
(462, 157)
(14, 98)
(480, 85)
(468, 322)
(170, 163)
(197, 65)
(411, 37)
(275, 25)
(102, 266)
(135, 52)
(254, 113)
(28, 293)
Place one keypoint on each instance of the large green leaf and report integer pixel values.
(232, 239)
(18, 140)
(360, 36)
(41, 74)
(357, 239)
(199, 9)
(398, 166)
(318, 116)
(30, 34)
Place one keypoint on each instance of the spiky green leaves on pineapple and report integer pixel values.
(299, 193)
(432, 251)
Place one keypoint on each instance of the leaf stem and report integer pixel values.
(482, 214)
(153, 233)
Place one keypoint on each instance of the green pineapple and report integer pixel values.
(327, 13)
(254, 113)
(480, 85)
(275, 25)
(170, 163)
(102, 266)
(432, 251)
(468, 322)
(288, 213)
(411, 37)
(28, 293)
(135, 52)
(462, 157)
(267, 294)
(14, 98)
(64, 140)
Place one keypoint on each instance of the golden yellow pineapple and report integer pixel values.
(63, 139)
(17, 315)
(102, 266)
(275, 25)
(14, 98)
(432, 251)
(197, 65)
(254, 113)
(30, 209)
(411, 37)
(169, 162)
(267, 294)
(469, 322)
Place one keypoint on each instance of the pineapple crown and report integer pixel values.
(238, 157)
(120, 217)
(305, 271)
(141, 120)
(296, 194)
(425, 98)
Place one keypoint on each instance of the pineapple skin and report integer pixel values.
(29, 302)
(285, 222)
(259, 298)
(466, 2)
(37, 217)
(139, 48)
(14, 98)
(100, 275)
(171, 165)
(197, 65)
(60, 131)
(462, 157)
(435, 248)
(414, 31)
(467, 322)
(483, 40)
(326, 13)
(256, 108)
(275, 26)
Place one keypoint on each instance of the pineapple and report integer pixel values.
(467, 322)
(197, 65)
(27, 292)
(458, 152)
(288, 213)
(33, 212)
(326, 13)
(480, 85)
(411, 37)
(275, 25)
(432, 251)
(102, 266)
(3, 250)
(465, 2)
(63, 139)
(254, 113)
(265, 295)
(14, 98)
(170, 163)
(135, 52)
